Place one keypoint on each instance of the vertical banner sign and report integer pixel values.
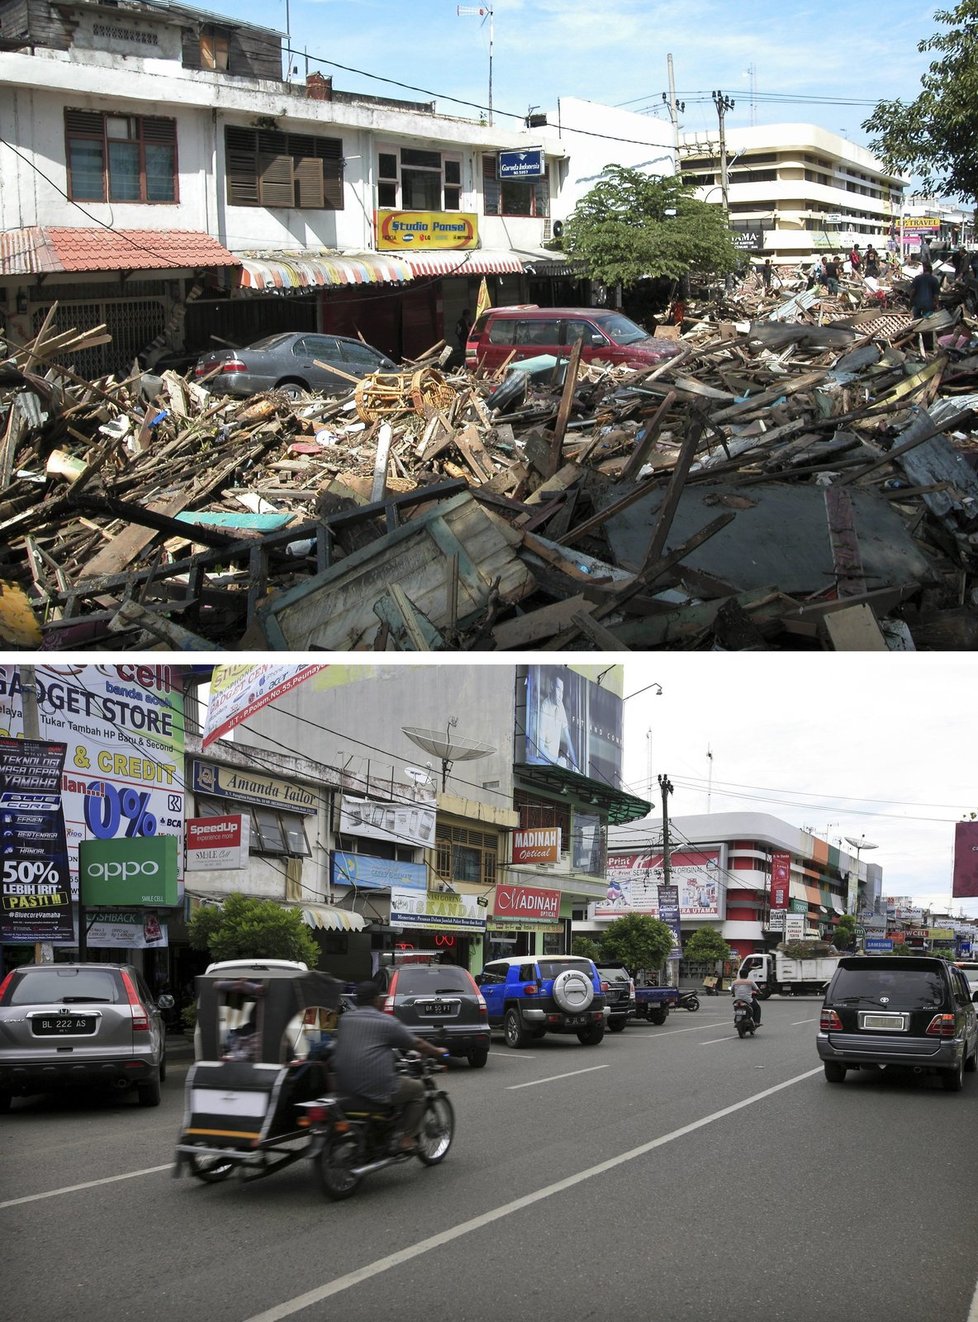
(669, 914)
(780, 880)
(123, 725)
(964, 884)
(35, 881)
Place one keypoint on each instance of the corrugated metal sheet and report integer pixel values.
(476, 261)
(284, 272)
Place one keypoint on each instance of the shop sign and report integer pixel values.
(422, 231)
(537, 845)
(444, 911)
(494, 929)
(35, 880)
(252, 787)
(526, 902)
(400, 823)
(794, 926)
(127, 930)
(124, 729)
(128, 872)
(365, 872)
(216, 844)
(526, 164)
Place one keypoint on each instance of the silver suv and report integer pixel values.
(75, 1025)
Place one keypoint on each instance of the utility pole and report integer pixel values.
(676, 108)
(723, 104)
(665, 785)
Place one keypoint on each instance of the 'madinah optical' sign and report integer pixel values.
(537, 845)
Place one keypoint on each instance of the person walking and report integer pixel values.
(855, 260)
(924, 289)
(832, 275)
(871, 263)
(766, 273)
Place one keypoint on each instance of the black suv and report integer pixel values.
(440, 1002)
(619, 993)
(912, 1012)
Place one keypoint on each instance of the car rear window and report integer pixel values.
(64, 986)
(549, 968)
(614, 975)
(904, 989)
(443, 977)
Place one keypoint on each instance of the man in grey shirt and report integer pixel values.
(366, 1039)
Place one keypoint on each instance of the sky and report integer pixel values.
(864, 745)
(779, 60)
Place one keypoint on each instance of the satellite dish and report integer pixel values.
(446, 746)
(420, 775)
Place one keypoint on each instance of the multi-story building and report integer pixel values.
(721, 863)
(797, 190)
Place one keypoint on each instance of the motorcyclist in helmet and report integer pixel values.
(744, 988)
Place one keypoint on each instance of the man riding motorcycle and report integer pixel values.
(746, 989)
(366, 1039)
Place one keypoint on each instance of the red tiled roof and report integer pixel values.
(43, 248)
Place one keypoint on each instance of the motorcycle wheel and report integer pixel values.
(437, 1131)
(211, 1170)
(741, 1030)
(336, 1162)
(692, 1004)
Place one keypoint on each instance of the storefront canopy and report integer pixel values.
(293, 273)
(47, 249)
(330, 919)
(475, 261)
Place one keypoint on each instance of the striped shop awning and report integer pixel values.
(330, 919)
(462, 262)
(288, 273)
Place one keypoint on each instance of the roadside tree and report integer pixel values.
(248, 928)
(633, 226)
(706, 946)
(636, 941)
(935, 137)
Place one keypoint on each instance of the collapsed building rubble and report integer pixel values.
(802, 474)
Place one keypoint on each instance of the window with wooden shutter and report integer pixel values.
(126, 158)
(272, 169)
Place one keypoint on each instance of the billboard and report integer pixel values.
(964, 884)
(633, 881)
(402, 823)
(237, 692)
(367, 873)
(124, 729)
(780, 880)
(35, 881)
(574, 723)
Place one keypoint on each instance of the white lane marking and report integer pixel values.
(711, 1041)
(89, 1184)
(798, 1022)
(673, 1032)
(514, 1056)
(512, 1087)
(380, 1265)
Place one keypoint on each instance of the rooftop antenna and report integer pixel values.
(481, 11)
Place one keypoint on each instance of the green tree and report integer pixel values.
(248, 928)
(632, 226)
(844, 933)
(636, 941)
(706, 946)
(587, 948)
(936, 136)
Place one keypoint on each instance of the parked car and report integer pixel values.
(289, 362)
(619, 990)
(440, 1002)
(73, 1025)
(969, 968)
(913, 1012)
(526, 331)
(529, 996)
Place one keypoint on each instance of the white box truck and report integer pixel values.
(774, 972)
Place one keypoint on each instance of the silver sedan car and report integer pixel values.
(79, 1025)
(293, 363)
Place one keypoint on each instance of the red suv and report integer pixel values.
(527, 331)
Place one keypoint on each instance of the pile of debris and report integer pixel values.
(802, 474)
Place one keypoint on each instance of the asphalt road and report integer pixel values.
(672, 1172)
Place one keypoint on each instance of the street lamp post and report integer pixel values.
(852, 898)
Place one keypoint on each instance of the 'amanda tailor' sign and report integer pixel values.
(538, 845)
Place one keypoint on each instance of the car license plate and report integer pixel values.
(63, 1025)
(580, 1019)
(884, 1023)
(437, 1007)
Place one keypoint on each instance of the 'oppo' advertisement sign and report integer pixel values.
(128, 872)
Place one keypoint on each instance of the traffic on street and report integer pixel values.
(677, 1171)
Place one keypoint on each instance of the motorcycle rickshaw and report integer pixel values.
(261, 1038)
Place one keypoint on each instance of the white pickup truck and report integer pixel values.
(774, 972)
